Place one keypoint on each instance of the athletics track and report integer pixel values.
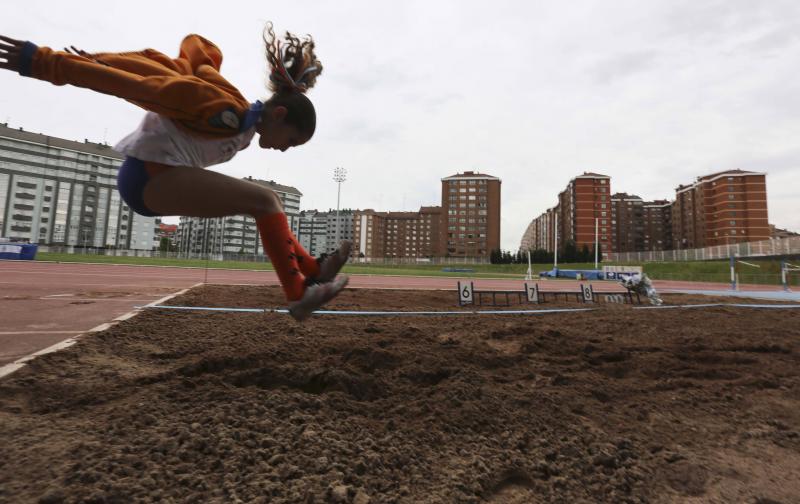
(42, 303)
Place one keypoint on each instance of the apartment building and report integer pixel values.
(471, 207)
(236, 234)
(687, 229)
(717, 209)
(61, 192)
(340, 227)
(586, 198)
(398, 235)
(720, 208)
(735, 207)
(627, 222)
(312, 232)
(539, 233)
(657, 217)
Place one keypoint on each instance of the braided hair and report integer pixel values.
(293, 70)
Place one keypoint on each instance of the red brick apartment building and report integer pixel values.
(466, 225)
(640, 225)
(717, 209)
(686, 227)
(539, 234)
(657, 217)
(586, 198)
(398, 234)
(471, 209)
(721, 208)
(627, 222)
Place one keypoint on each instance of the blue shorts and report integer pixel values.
(131, 179)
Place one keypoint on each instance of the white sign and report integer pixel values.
(588, 294)
(532, 293)
(622, 269)
(620, 272)
(465, 293)
(10, 249)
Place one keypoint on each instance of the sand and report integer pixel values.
(613, 405)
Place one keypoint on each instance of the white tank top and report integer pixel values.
(159, 140)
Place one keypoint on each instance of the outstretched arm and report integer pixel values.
(188, 89)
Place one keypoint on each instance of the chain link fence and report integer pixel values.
(766, 248)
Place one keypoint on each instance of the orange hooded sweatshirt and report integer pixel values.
(188, 89)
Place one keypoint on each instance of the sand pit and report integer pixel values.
(614, 405)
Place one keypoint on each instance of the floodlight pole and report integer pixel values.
(783, 276)
(596, 221)
(529, 276)
(733, 272)
(339, 176)
(555, 240)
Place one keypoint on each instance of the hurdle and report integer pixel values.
(786, 269)
(467, 295)
(533, 294)
(734, 274)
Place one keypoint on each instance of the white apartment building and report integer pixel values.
(235, 234)
(61, 192)
(321, 232)
(312, 231)
(340, 227)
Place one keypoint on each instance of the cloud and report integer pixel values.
(624, 65)
(651, 93)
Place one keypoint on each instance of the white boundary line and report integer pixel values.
(20, 363)
(466, 312)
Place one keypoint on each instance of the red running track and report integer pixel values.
(43, 303)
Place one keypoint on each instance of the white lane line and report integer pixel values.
(105, 284)
(66, 273)
(11, 333)
(92, 300)
(20, 363)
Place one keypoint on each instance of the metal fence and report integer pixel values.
(776, 247)
(229, 256)
(156, 254)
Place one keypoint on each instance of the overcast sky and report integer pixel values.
(652, 94)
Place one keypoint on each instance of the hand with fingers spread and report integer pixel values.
(74, 50)
(10, 53)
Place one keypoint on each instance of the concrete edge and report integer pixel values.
(18, 364)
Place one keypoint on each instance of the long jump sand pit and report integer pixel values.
(611, 405)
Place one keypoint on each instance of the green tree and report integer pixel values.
(570, 252)
(585, 255)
